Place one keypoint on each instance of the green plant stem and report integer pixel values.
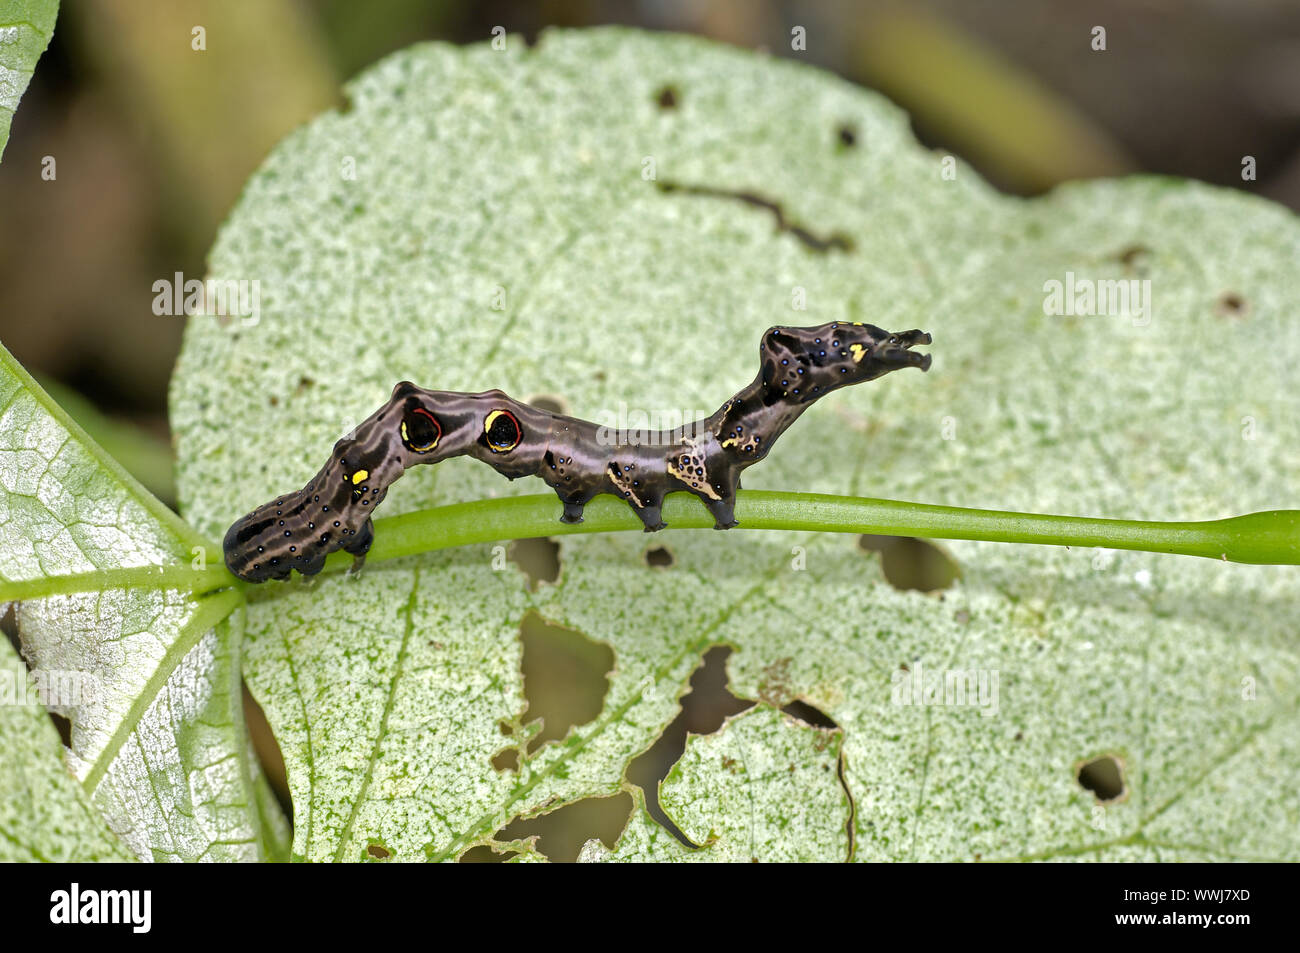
(1267, 537)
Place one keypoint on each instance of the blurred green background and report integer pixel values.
(153, 141)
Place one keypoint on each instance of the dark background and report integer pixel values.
(153, 142)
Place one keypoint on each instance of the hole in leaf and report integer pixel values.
(809, 715)
(484, 854)
(917, 564)
(704, 708)
(507, 759)
(378, 852)
(62, 726)
(267, 750)
(561, 833)
(1232, 305)
(538, 559)
(667, 98)
(848, 136)
(910, 563)
(549, 403)
(566, 676)
(1104, 777)
(876, 544)
(659, 557)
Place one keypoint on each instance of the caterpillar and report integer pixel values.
(575, 457)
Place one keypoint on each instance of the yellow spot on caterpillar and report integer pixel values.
(746, 443)
(858, 352)
(359, 476)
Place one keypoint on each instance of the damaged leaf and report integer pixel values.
(484, 219)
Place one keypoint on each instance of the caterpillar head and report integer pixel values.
(805, 363)
(883, 351)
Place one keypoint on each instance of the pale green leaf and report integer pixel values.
(524, 171)
(102, 574)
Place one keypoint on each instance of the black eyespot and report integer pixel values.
(420, 429)
(502, 430)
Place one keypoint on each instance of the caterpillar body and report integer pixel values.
(575, 457)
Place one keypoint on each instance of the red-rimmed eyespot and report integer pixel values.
(502, 430)
(420, 430)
